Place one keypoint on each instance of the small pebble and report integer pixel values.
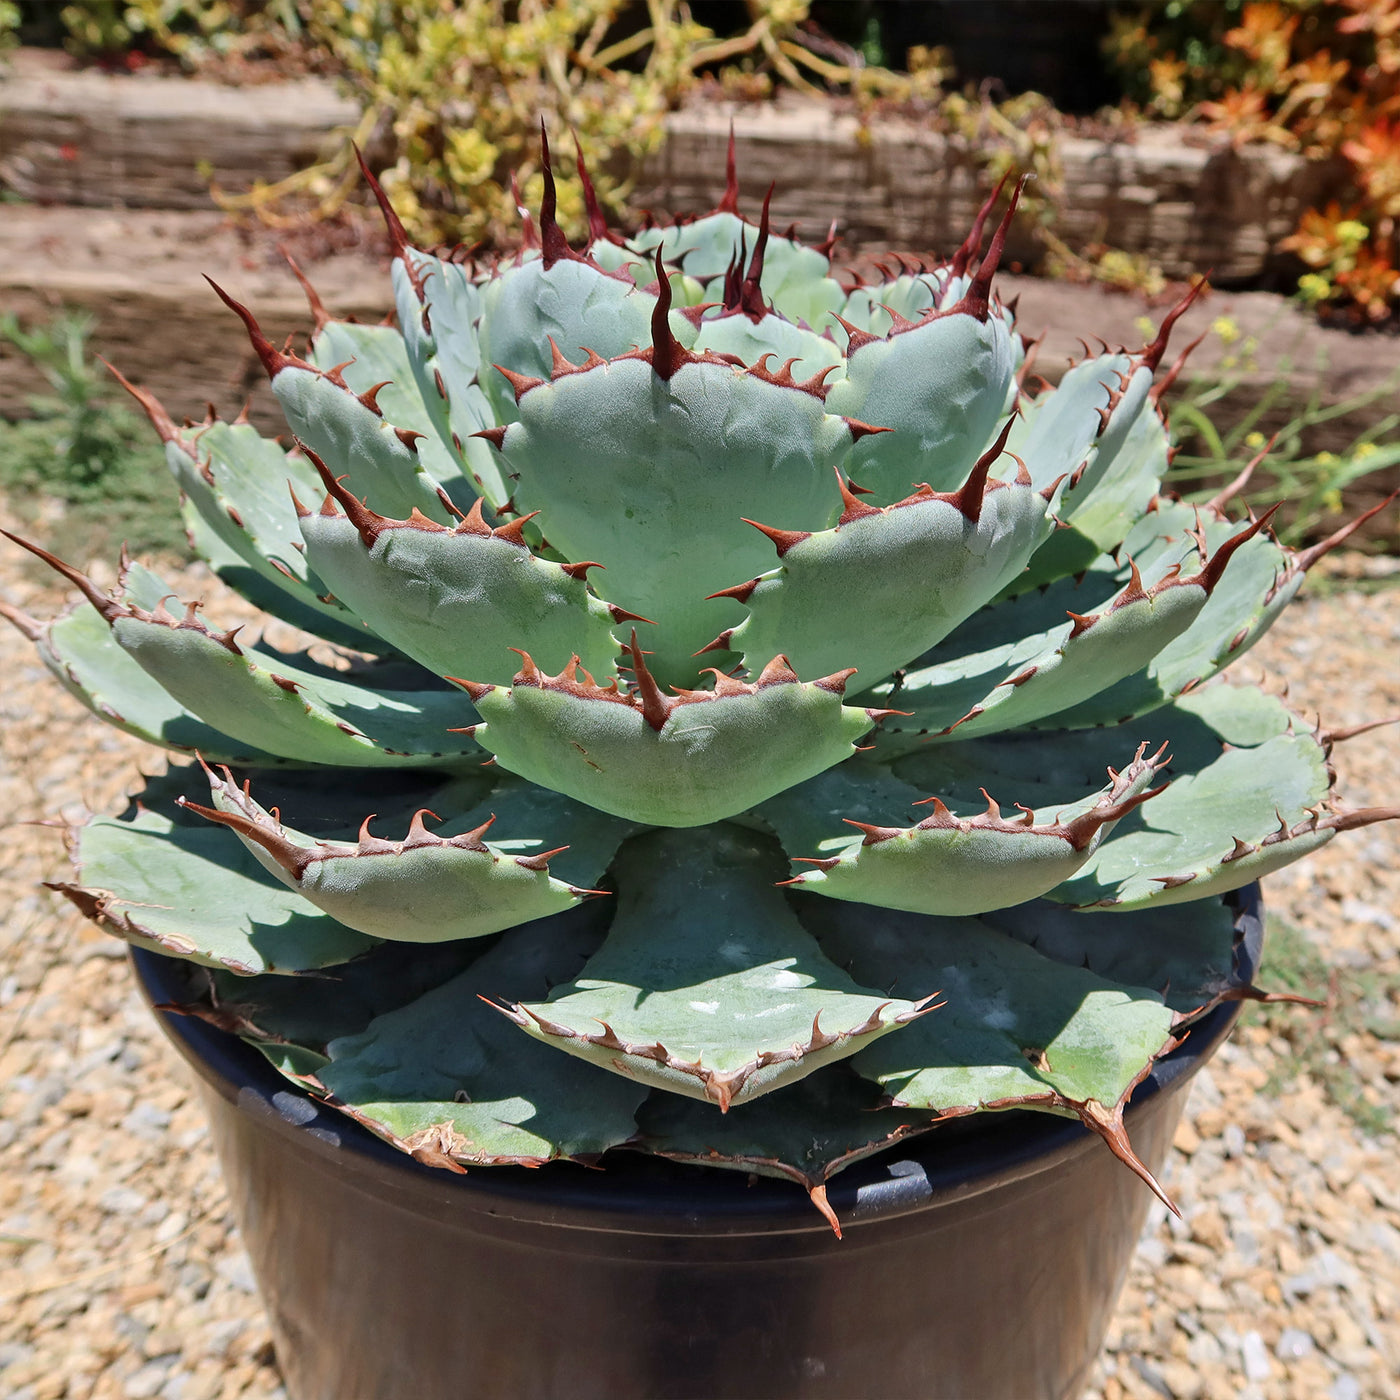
(1256, 1357)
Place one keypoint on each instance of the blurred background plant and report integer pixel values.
(1321, 77)
(453, 93)
(1306, 481)
(84, 451)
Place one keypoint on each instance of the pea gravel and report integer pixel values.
(122, 1275)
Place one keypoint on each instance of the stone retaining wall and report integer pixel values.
(1187, 206)
(143, 142)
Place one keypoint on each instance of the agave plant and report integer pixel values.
(680, 608)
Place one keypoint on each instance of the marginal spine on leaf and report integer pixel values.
(151, 406)
(860, 430)
(598, 231)
(783, 540)
(370, 524)
(1306, 558)
(969, 497)
(521, 384)
(108, 608)
(1211, 573)
(853, 509)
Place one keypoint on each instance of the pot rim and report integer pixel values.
(638, 1194)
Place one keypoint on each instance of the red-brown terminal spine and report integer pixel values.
(554, 247)
(667, 353)
(976, 301)
(962, 259)
(1152, 353)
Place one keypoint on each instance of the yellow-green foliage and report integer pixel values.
(455, 89)
(1321, 77)
(462, 89)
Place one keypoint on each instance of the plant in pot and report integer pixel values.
(674, 609)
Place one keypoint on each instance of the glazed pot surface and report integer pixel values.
(980, 1260)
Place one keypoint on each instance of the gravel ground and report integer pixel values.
(121, 1272)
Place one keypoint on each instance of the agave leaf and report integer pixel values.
(335, 625)
(706, 984)
(704, 248)
(1129, 459)
(438, 309)
(191, 893)
(375, 359)
(1260, 580)
(239, 517)
(802, 351)
(806, 1132)
(682, 461)
(1187, 955)
(668, 761)
(1121, 472)
(290, 709)
(424, 888)
(1039, 673)
(78, 647)
(1230, 815)
(909, 295)
(941, 385)
(1055, 433)
(1016, 1030)
(238, 483)
(346, 428)
(578, 306)
(448, 1079)
(947, 864)
(457, 601)
(884, 586)
(378, 459)
(1115, 641)
(1052, 769)
(292, 1019)
(530, 820)
(794, 276)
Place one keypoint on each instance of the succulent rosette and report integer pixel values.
(744, 722)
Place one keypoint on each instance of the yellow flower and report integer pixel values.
(1227, 328)
(1255, 439)
(1366, 449)
(1313, 287)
